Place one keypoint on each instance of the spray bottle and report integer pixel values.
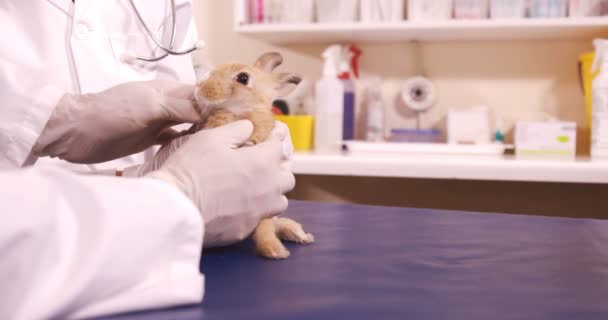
(329, 98)
(599, 113)
(348, 62)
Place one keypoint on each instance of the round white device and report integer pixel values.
(419, 94)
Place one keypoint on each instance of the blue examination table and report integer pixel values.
(396, 263)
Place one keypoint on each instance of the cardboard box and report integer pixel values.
(553, 139)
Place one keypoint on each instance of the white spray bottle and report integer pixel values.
(329, 98)
(599, 113)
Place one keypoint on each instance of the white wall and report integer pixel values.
(517, 79)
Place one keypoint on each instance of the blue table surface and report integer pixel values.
(400, 263)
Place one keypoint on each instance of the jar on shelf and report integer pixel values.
(337, 10)
(586, 8)
(297, 11)
(548, 8)
(421, 10)
(382, 10)
(470, 9)
(508, 9)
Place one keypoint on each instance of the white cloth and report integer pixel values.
(55, 46)
(86, 246)
(83, 246)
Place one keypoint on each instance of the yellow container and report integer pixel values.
(587, 76)
(301, 130)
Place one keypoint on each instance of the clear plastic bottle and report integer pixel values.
(329, 100)
(374, 130)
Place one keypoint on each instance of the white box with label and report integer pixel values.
(545, 139)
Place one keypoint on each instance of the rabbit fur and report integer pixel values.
(237, 91)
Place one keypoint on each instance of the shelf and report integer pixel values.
(489, 168)
(450, 30)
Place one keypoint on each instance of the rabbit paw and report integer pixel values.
(255, 139)
(300, 237)
(290, 230)
(274, 250)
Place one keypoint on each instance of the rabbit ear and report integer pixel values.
(284, 79)
(268, 61)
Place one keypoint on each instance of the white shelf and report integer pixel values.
(450, 30)
(492, 168)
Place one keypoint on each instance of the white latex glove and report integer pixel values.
(123, 120)
(280, 131)
(234, 187)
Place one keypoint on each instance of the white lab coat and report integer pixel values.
(75, 246)
(80, 246)
(54, 46)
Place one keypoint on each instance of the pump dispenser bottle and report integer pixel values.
(329, 98)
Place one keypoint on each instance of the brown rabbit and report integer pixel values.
(234, 92)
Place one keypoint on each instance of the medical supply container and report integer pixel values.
(329, 103)
(545, 139)
(300, 130)
(337, 10)
(297, 11)
(585, 8)
(470, 9)
(508, 9)
(374, 129)
(382, 10)
(587, 74)
(548, 8)
(469, 126)
(599, 112)
(420, 10)
(348, 70)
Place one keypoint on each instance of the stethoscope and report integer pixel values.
(128, 57)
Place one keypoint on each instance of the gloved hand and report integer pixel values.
(234, 187)
(280, 131)
(123, 120)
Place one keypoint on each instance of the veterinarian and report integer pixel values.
(77, 94)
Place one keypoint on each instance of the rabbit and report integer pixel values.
(236, 91)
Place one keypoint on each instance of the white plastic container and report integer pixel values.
(585, 8)
(470, 9)
(469, 126)
(374, 129)
(508, 9)
(548, 8)
(382, 10)
(337, 10)
(599, 113)
(297, 11)
(329, 102)
(420, 10)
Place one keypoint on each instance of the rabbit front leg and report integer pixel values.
(289, 230)
(269, 233)
(219, 117)
(263, 123)
(267, 244)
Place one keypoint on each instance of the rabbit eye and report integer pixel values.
(242, 78)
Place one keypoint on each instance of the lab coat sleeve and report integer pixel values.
(84, 246)
(27, 96)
